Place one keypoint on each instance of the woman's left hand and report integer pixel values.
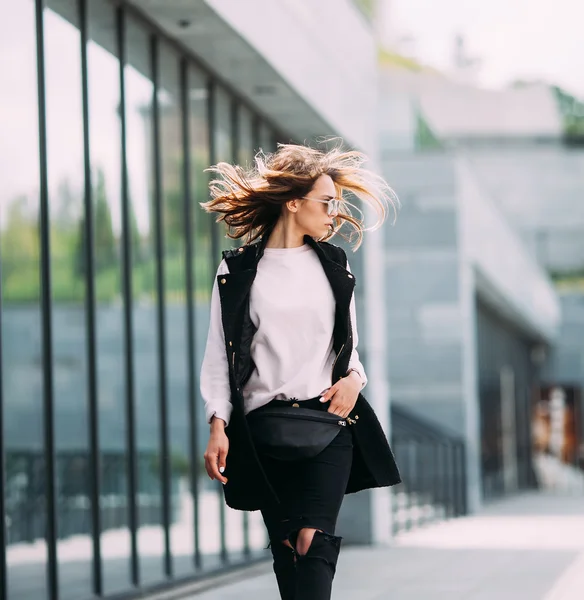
(343, 395)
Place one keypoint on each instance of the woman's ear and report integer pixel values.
(292, 205)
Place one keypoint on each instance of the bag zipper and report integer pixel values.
(266, 413)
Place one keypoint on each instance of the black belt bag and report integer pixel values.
(293, 432)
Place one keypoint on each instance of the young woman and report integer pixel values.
(283, 337)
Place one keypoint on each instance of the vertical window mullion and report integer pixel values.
(212, 112)
(255, 134)
(159, 234)
(46, 317)
(191, 358)
(235, 146)
(93, 413)
(127, 295)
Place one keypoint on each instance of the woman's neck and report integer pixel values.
(283, 236)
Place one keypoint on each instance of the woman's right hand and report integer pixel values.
(217, 449)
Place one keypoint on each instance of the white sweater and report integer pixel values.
(293, 308)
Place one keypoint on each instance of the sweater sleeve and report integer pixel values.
(354, 362)
(214, 379)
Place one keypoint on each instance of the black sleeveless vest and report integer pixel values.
(248, 487)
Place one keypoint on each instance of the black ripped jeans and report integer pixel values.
(311, 492)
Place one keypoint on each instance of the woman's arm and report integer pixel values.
(215, 388)
(354, 362)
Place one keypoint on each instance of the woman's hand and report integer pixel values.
(217, 449)
(343, 395)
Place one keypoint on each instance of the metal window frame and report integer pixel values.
(127, 294)
(46, 316)
(159, 235)
(90, 313)
(235, 147)
(216, 256)
(190, 297)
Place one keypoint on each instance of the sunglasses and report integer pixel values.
(333, 205)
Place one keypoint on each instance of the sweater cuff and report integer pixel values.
(360, 373)
(221, 413)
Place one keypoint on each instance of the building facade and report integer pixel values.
(469, 308)
(109, 114)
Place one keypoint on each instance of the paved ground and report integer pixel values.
(530, 547)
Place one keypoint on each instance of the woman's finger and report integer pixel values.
(208, 467)
(328, 395)
(221, 461)
(216, 474)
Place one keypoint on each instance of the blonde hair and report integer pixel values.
(250, 201)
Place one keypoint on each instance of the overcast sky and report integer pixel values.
(514, 38)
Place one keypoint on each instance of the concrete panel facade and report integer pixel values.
(451, 245)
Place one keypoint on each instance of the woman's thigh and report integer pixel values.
(311, 491)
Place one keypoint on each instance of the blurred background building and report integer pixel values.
(471, 309)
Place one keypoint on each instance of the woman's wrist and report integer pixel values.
(354, 374)
(217, 424)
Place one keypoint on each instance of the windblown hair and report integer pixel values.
(251, 201)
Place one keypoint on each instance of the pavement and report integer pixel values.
(527, 547)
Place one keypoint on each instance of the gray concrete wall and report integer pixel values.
(540, 189)
(449, 240)
(424, 321)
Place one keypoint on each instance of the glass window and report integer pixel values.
(173, 201)
(223, 134)
(267, 138)
(245, 150)
(204, 272)
(21, 371)
(105, 154)
(205, 265)
(68, 258)
(223, 152)
(139, 156)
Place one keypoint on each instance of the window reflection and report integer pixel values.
(171, 151)
(22, 367)
(105, 154)
(245, 150)
(21, 373)
(68, 248)
(204, 272)
(267, 138)
(139, 156)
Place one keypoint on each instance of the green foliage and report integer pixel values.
(568, 280)
(426, 139)
(105, 245)
(20, 252)
(572, 110)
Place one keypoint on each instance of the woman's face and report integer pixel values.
(311, 214)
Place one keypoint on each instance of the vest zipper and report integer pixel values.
(335, 361)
